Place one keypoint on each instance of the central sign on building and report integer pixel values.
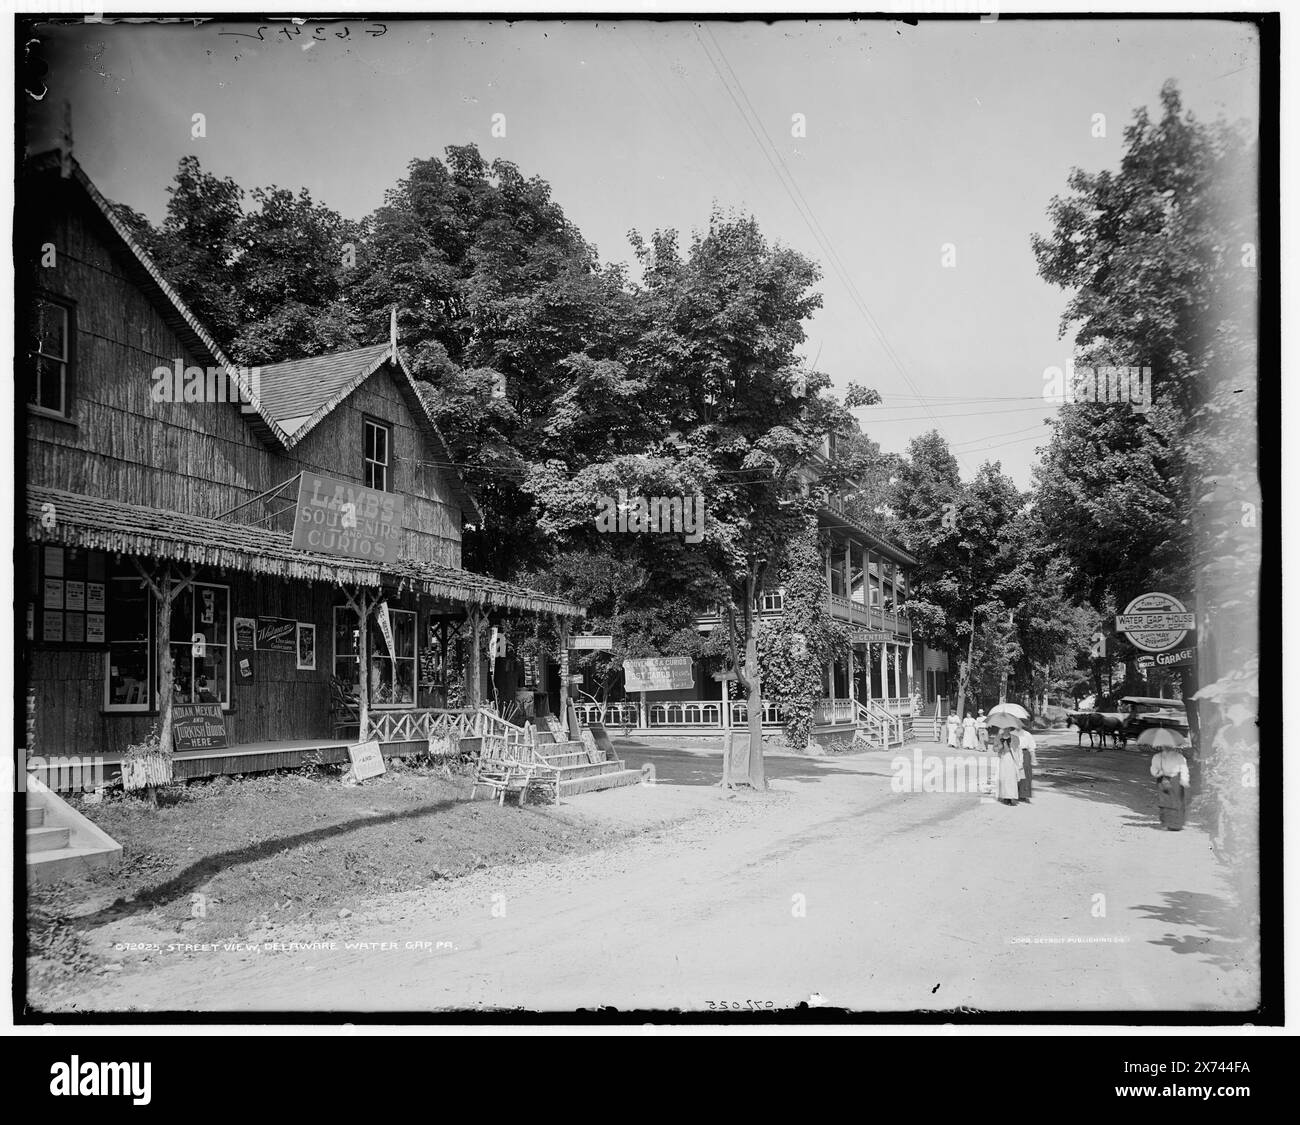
(337, 517)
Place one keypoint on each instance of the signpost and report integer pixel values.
(1155, 622)
(659, 673)
(337, 517)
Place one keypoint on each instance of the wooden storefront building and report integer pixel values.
(143, 489)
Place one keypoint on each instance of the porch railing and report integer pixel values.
(437, 726)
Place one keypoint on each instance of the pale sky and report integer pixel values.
(916, 136)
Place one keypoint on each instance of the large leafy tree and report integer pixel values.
(1161, 263)
(508, 318)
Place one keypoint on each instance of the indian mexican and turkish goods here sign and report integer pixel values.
(336, 517)
(1156, 622)
(198, 726)
(659, 673)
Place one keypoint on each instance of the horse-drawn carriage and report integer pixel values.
(1138, 712)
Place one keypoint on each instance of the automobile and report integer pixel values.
(1143, 711)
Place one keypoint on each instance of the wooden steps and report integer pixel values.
(61, 843)
(579, 770)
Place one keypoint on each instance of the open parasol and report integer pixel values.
(1160, 737)
(1008, 715)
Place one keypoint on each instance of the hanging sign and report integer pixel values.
(1155, 622)
(337, 517)
(591, 643)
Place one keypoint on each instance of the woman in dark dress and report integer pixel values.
(1169, 768)
(1028, 747)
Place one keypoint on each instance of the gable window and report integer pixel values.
(50, 358)
(376, 454)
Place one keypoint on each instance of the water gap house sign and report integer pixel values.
(1155, 622)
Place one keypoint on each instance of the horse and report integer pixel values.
(1099, 724)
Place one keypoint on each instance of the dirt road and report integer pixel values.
(833, 888)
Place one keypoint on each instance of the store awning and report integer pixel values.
(94, 523)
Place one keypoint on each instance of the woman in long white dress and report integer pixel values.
(954, 726)
(969, 739)
(1010, 766)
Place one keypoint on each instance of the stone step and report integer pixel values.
(35, 816)
(68, 863)
(571, 788)
(562, 760)
(46, 839)
(589, 769)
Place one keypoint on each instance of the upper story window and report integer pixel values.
(50, 358)
(377, 455)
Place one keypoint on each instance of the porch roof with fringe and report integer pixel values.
(93, 523)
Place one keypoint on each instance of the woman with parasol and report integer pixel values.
(1005, 729)
(1169, 768)
(1013, 717)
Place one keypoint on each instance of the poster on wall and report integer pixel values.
(75, 594)
(95, 597)
(54, 593)
(244, 666)
(95, 628)
(306, 647)
(245, 634)
(276, 634)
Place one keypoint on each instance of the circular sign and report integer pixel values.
(1155, 622)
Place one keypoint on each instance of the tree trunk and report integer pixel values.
(964, 669)
(363, 666)
(166, 665)
(757, 777)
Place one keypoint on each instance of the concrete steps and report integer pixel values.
(61, 843)
(614, 780)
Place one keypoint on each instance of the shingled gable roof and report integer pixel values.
(344, 371)
(149, 279)
(301, 393)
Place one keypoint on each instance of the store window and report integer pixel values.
(130, 645)
(200, 645)
(392, 675)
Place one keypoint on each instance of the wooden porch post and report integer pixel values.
(363, 665)
(474, 695)
(564, 671)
